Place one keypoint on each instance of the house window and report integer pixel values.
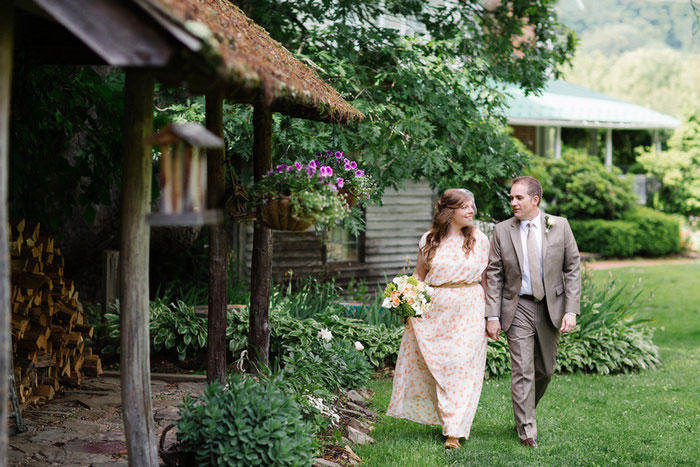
(341, 245)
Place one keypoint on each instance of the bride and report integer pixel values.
(440, 367)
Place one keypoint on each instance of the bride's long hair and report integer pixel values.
(450, 200)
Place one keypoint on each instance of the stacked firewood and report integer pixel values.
(49, 327)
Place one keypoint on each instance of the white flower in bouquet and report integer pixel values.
(359, 346)
(325, 334)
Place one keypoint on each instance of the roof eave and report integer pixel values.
(591, 124)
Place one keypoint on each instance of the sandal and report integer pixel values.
(452, 442)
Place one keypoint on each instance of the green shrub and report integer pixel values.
(497, 358)
(329, 366)
(678, 169)
(608, 338)
(609, 238)
(246, 423)
(578, 186)
(659, 233)
(381, 344)
(177, 326)
(642, 231)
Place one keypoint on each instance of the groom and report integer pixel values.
(533, 293)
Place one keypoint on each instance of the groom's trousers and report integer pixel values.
(533, 341)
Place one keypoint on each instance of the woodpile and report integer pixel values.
(48, 325)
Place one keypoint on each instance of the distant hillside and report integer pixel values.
(616, 26)
(641, 51)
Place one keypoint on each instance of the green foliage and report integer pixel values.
(326, 366)
(246, 423)
(65, 136)
(609, 238)
(497, 358)
(177, 326)
(609, 337)
(678, 169)
(659, 233)
(312, 299)
(286, 332)
(432, 105)
(578, 186)
(642, 231)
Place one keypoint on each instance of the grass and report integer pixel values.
(649, 418)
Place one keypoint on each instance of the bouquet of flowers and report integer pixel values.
(407, 297)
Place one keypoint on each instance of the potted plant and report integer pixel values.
(352, 181)
(292, 197)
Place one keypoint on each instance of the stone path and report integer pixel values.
(84, 427)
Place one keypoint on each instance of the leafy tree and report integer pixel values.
(678, 169)
(578, 186)
(431, 99)
(65, 141)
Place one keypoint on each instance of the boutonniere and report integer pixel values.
(548, 223)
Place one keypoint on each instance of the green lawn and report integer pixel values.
(650, 418)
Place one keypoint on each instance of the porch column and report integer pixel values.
(608, 149)
(657, 141)
(6, 35)
(557, 142)
(135, 363)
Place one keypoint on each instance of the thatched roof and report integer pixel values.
(248, 59)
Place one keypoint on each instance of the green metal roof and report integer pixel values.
(567, 105)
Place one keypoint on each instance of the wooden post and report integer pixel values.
(133, 272)
(557, 143)
(6, 35)
(259, 327)
(110, 279)
(218, 246)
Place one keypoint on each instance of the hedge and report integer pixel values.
(642, 231)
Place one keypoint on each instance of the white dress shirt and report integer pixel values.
(526, 286)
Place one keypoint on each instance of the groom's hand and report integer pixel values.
(493, 329)
(568, 323)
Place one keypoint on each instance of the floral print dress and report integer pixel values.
(440, 367)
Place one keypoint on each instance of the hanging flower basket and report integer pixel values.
(277, 214)
(349, 197)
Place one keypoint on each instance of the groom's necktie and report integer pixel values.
(534, 260)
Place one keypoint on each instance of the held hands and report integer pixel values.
(493, 329)
(568, 322)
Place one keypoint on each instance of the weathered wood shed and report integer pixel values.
(214, 48)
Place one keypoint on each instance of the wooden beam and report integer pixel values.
(218, 246)
(6, 34)
(259, 327)
(133, 272)
(119, 33)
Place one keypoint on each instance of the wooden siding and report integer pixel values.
(394, 230)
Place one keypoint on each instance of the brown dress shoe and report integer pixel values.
(529, 443)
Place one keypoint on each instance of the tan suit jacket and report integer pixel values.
(561, 264)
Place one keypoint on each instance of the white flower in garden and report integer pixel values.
(386, 303)
(359, 346)
(325, 334)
